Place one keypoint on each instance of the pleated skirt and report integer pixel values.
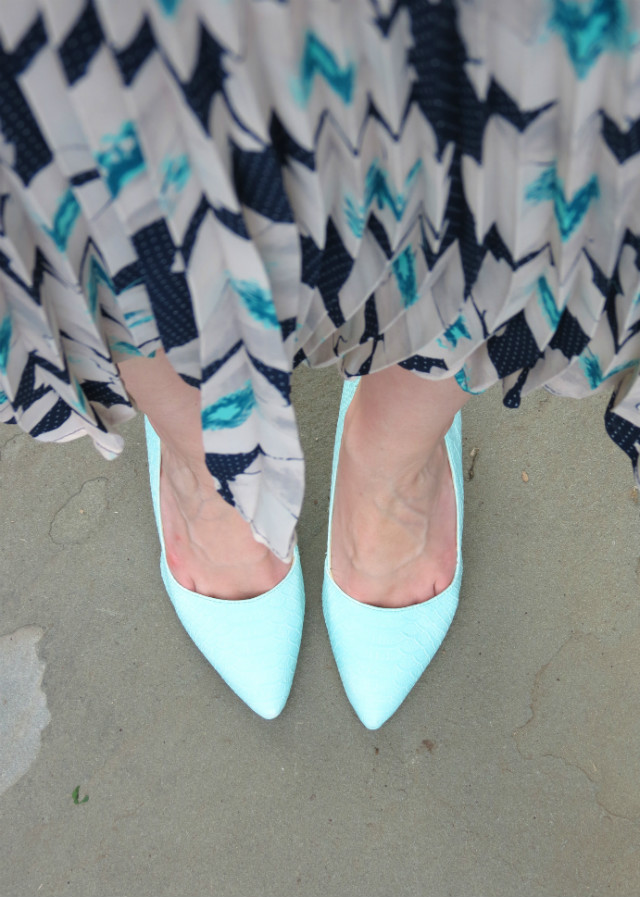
(252, 184)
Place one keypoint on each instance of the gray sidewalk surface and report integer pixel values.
(512, 768)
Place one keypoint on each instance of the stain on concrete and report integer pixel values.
(80, 516)
(23, 703)
(584, 712)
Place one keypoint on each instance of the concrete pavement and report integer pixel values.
(512, 768)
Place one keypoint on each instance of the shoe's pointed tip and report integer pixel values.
(374, 713)
(268, 715)
(266, 696)
(373, 722)
(267, 711)
(268, 706)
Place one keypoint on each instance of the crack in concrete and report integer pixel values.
(9, 446)
(78, 517)
(592, 724)
(532, 701)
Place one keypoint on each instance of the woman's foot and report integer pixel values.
(252, 644)
(210, 549)
(393, 540)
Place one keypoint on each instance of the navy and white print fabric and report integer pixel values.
(249, 184)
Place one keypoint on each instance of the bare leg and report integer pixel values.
(210, 548)
(394, 523)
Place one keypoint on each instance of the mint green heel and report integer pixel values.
(382, 652)
(253, 643)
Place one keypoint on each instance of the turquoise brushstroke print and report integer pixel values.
(590, 364)
(355, 215)
(135, 318)
(122, 158)
(569, 214)
(3, 397)
(65, 217)
(318, 59)
(120, 347)
(97, 275)
(378, 190)
(81, 401)
(230, 411)
(5, 343)
(463, 382)
(175, 172)
(547, 303)
(404, 270)
(589, 29)
(457, 331)
(169, 7)
(257, 300)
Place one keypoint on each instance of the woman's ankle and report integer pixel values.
(210, 548)
(394, 529)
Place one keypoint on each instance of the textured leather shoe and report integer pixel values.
(382, 652)
(253, 643)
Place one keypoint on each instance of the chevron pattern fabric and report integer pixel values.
(249, 185)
